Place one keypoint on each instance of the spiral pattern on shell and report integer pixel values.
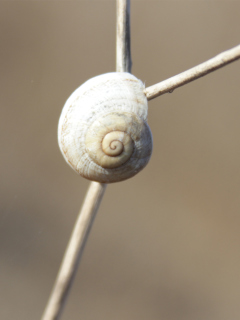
(103, 132)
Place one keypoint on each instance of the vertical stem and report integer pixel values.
(95, 192)
(123, 51)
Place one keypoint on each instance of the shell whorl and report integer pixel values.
(103, 132)
(108, 142)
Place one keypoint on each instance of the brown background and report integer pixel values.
(165, 244)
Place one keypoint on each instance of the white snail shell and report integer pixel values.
(103, 132)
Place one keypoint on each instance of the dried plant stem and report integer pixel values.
(95, 192)
(123, 52)
(194, 73)
(74, 251)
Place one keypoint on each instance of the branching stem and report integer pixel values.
(96, 190)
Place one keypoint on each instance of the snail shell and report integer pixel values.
(103, 132)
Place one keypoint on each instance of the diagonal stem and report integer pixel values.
(74, 252)
(194, 73)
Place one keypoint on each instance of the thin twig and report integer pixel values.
(95, 192)
(74, 252)
(194, 73)
(123, 52)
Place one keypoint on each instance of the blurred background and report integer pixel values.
(166, 243)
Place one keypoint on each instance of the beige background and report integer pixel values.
(165, 244)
